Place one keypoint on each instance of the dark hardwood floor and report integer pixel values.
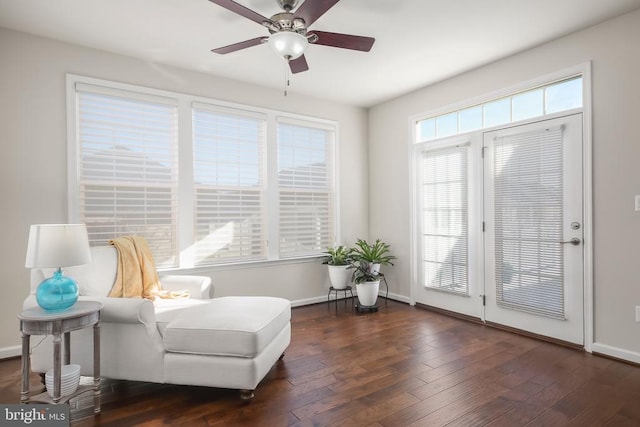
(401, 366)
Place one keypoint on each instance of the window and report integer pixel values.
(229, 193)
(497, 112)
(563, 96)
(447, 125)
(551, 98)
(528, 197)
(233, 184)
(527, 105)
(470, 119)
(305, 188)
(127, 168)
(445, 237)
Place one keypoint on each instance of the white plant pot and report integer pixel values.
(368, 292)
(339, 276)
(374, 268)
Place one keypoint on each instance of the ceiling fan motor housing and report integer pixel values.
(285, 21)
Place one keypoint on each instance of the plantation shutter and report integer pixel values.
(528, 192)
(445, 235)
(127, 168)
(306, 195)
(228, 164)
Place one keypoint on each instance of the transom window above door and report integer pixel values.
(548, 99)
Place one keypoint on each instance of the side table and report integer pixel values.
(36, 321)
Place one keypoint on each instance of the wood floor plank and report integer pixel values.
(376, 409)
(400, 366)
(620, 420)
(485, 413)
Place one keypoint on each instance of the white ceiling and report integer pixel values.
(418, 42)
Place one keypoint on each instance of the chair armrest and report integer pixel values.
(199, 287)
(124, 310)
(127, 310)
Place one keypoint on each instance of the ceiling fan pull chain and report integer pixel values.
(286, 76)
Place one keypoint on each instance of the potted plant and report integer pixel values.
(367, 283)
(367, 259)
(338, 261)
(375, 254)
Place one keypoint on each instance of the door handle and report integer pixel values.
(575, 241)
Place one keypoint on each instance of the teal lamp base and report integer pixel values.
(57, 293)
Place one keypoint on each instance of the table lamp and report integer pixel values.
(57, 246)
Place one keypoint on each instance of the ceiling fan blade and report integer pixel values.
(241, 10)
(298, 65)
(311, 10)
(241, 45)
(344, 41)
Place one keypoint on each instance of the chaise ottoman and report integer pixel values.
(246, 335)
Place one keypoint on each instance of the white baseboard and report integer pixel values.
(319, 299)
(619, 353)
(400, 298)
(13, 351)
(308, 301)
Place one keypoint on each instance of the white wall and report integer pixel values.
(615, 51)
(33, 160)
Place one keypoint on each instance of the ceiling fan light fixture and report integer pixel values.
(288, 44)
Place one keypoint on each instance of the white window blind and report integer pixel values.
(305, 188)
(445, 234)
(528, 192)
(234, 184)
(127, 168)
(228, 165)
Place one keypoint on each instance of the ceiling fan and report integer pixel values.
(290, 33)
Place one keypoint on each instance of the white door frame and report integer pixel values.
(584, 70)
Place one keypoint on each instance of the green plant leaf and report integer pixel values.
(338, 255)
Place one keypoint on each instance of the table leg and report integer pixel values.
(67, 348)
(24, 394)
(57, 368)
(96, 368)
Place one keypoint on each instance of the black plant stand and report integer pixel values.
(345, 290)
(366, 308)
(384, 280)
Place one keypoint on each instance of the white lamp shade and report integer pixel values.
(57, 245)
(288, 44)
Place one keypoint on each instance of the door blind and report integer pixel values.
(305, 189)
(228, 164)
(528, 192)
(127, 169)
(445, 237)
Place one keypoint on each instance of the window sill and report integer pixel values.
(242, 265)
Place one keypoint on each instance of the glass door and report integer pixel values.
(533, 228)
(448, 222)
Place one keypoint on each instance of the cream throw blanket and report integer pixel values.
(137, 276)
